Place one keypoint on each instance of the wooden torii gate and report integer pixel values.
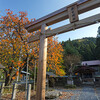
(71, 11)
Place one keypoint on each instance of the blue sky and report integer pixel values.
(40, 8)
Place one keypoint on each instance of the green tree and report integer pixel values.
(98, 44)
(71, 56)
(69, 49)
(84, 49)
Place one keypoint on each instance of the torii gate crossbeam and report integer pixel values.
(62, 14)
(72, 11)
(79, 24)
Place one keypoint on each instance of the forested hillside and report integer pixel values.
(85, 48)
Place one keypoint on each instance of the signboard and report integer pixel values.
(73, 13)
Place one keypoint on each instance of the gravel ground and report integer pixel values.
(97, 91)
(84, 93)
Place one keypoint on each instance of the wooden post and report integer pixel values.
(14, 91)
(41, 76)
(2, 89)
(28, 92)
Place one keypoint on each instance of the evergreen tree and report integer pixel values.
(98, 44)
(71, 56)
(83, 47)
(69, 48)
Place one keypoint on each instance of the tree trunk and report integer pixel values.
(7, 81)
(70, 80)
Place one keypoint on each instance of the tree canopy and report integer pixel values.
(97, 50)
(14, 49)
(78, 50)
(83, 47)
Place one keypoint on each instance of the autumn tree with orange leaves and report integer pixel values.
(54, 56)
(13, 43)
(14, 49)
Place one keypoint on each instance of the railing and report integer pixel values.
(6, 91)
(15, 91)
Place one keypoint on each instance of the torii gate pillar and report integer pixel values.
(41, 75)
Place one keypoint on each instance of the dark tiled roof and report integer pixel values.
(51, 74)
(84, 69)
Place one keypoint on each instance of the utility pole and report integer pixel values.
(27, 75)
(34, 74)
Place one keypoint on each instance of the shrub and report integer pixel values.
(70, 86)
